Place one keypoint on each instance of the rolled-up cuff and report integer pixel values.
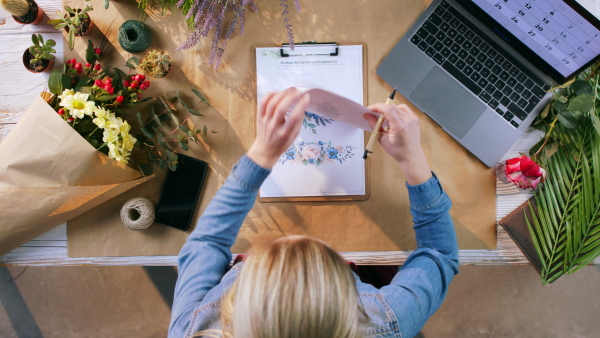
(425, 195)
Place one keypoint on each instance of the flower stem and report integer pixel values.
(552, 125)
(102, 146)
(93, 132)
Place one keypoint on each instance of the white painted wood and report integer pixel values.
(18, 88)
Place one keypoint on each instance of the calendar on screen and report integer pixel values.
(550, 28)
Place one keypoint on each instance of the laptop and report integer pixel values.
(481, 69)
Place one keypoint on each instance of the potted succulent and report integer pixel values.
(156, 63)
(23, 11)
(75, 21)
(39, 58)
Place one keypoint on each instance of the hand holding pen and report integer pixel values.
(402, 140)
(375, 134)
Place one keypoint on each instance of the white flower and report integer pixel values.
(78, 105)
(65, 93)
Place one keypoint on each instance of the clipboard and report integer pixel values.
(303, 53)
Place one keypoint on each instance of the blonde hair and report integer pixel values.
(295, 286)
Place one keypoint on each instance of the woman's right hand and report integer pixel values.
(402, 140)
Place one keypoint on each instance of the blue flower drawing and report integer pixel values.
(317, 153)
(312, 121)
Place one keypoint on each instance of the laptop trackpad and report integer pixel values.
(442, 98)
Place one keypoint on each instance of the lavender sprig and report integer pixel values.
(204, 15)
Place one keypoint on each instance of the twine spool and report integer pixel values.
(137, 213)
(134, 36)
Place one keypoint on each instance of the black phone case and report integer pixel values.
(161, 198)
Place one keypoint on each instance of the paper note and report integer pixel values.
(326, 158)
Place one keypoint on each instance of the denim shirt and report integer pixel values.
(396, 310)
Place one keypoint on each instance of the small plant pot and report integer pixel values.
(35, 15)
(39, 67)
(87, 26)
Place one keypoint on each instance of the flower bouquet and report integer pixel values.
(563, 216)
(70, 151)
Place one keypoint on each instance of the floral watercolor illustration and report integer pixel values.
(313, 120)
(317, 153)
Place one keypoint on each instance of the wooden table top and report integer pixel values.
(18, 88)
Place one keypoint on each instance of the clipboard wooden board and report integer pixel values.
(304, 54)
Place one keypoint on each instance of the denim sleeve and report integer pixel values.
(205, 256)
(420, 286)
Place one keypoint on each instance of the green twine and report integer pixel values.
(134, 36)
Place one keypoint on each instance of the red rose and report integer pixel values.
(120, 99)
(524, 172)
(97, 67)
(98, 83)
(78, 67)
(98, 51)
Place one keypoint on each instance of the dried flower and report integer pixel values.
(204, 15)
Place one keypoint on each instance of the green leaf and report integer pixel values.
(550, 149)
(184, 128)
(90, 55)
(155, 117)
(567, 119)
(55, 22)
(106, 97)
(82, 84)
(55, 85)
(191, 111)
(140, 121)
(544, 113)
(184, 145)
(71, 39)
(595, 122)
(174, 118)
(51, 43)
(147, 132)
(35, 39)
(582, 103)
(132, 63)
(162, 164)
(582, 87)
(204, 131)
(201, 97)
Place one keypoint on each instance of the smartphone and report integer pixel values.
(180, 192)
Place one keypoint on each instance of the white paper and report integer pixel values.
(326, 158)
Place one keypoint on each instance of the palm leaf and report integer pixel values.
(565, 221)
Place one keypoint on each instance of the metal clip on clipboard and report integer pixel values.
(309, 48)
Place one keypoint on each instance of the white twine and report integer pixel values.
(137, 213)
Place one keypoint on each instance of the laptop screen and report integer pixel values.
(563, 34)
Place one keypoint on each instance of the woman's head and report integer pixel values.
(294, 286)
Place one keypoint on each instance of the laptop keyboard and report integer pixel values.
(452, 41)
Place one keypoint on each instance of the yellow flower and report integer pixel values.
(128, 142)
(78, 105)
(110, 136)
(101, 117)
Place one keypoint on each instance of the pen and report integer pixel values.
(375, 134)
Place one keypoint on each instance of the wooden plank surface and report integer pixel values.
(18, 88)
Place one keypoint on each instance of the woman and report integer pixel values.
(298, 286)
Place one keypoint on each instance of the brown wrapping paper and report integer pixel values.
(50, 174)
(380, 223)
